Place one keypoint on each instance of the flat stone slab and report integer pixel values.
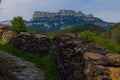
(22, 70)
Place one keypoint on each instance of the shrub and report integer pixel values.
(18, 25)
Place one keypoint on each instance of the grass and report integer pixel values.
(44, 62)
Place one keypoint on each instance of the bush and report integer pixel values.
(18, 25)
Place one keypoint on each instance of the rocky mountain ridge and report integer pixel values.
(64, 19)
(39, 14)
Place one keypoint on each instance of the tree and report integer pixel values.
(18, 25)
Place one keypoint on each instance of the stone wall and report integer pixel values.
(77, 59)
(25, 41)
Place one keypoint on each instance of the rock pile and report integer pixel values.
(31, 43)
(28, 42)
(77, 59)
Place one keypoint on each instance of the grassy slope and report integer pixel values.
(45, 62)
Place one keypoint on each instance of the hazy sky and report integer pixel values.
(108, 10)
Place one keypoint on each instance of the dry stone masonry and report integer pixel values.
(77, 59)
(28, 42)
(31, 43)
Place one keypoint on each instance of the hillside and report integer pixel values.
(114, 34)
(85, 27)
(80, 28)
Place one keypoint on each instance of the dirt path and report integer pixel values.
(21, 69)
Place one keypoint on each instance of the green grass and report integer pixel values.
(45, 62)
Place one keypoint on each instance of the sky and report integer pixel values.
(108, 10)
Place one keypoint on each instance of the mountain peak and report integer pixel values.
(80, 13)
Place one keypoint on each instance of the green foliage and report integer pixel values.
(45, 62)
(106, 43)
(87, 35)
(18, 25)
(114, 34)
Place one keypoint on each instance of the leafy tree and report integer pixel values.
(18, 25)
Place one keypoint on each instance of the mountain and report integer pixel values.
(7, 23)
(64, 19)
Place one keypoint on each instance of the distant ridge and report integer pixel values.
(64, 19)
(39, 14)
